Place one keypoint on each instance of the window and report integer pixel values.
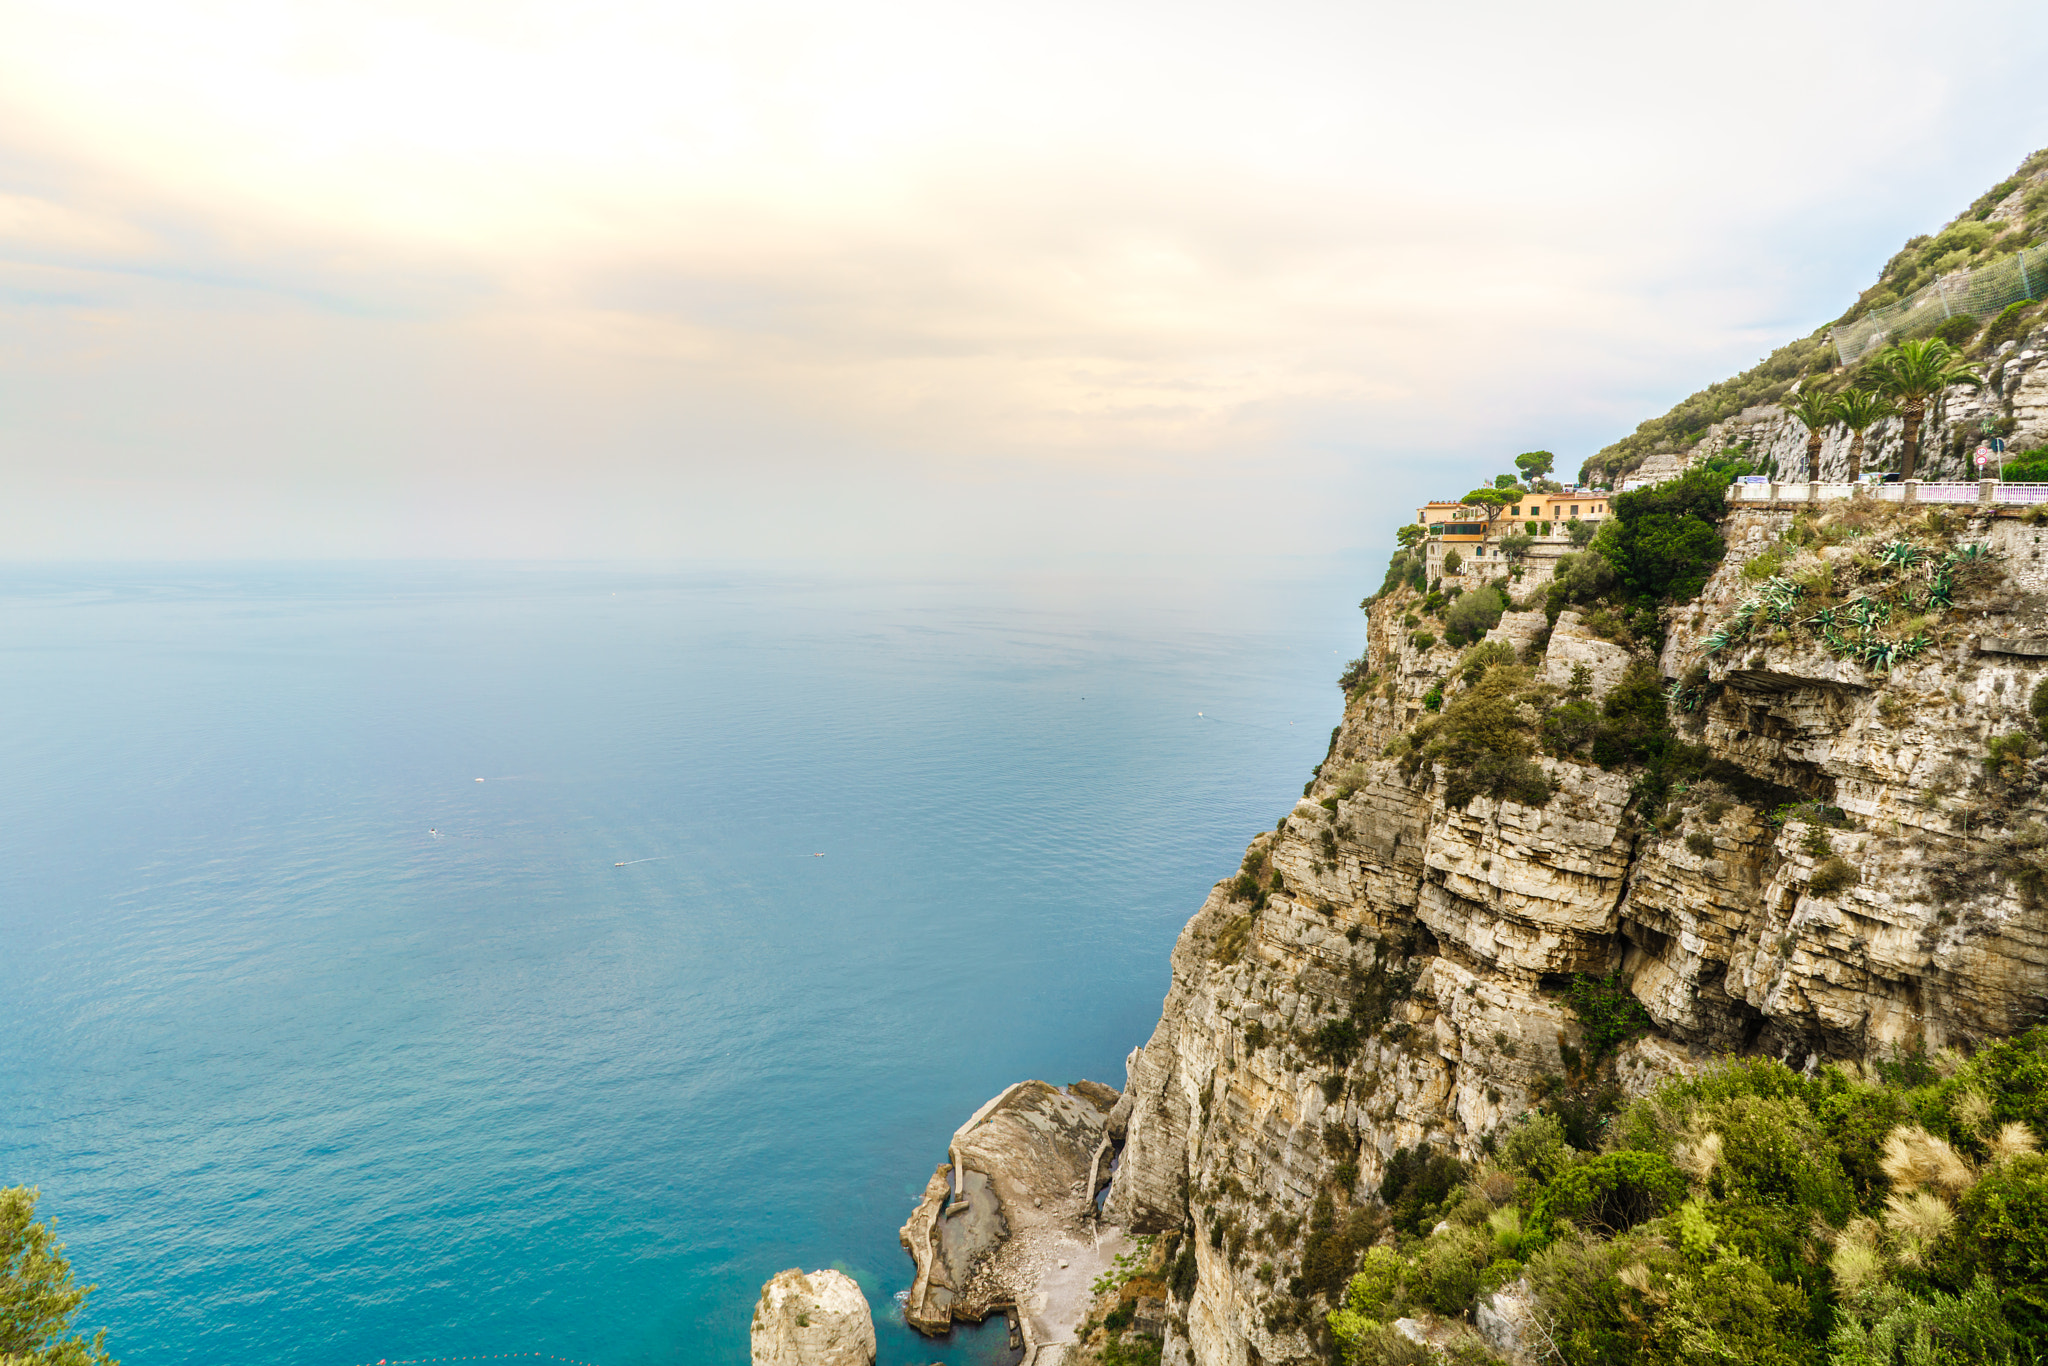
(1575, 509)
(1436, 528)
(1515, 511)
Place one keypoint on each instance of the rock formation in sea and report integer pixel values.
(820, 1319)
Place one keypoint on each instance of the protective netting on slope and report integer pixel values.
(1985, 290)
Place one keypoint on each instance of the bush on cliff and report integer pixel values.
(1664, 541)
(1473, 615)
(1483, 743)
(1753, 1213)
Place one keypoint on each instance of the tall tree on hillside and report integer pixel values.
(1859, 410)
(1814, 411)
(38, 1299)
(1916, 374)
(1535, 465)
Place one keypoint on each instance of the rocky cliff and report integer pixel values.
(1849, 866)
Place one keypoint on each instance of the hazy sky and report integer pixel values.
(542, 279)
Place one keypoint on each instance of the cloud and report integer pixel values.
(607, 279)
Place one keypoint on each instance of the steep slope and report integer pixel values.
(1827, 860)
(2008, 217)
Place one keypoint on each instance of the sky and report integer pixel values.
(974, 282)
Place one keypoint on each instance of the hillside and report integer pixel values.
(2007, 218)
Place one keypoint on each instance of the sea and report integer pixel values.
(431, 962)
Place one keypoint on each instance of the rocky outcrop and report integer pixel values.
(817, 1320)
(1403, 982)
(1010, 1221)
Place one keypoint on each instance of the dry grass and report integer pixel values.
(1917, 1222)
(1698, 1158)
(1914, 1157)
(1973, 1109)
(2014, 1140)
(1856, 1261)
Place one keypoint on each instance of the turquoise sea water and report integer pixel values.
(325, 1052)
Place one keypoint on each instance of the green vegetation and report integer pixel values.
(1881, 607)
(39, 1302)
(1971, 241)
(1859, 410)
(1814, 410)
(1482, 743)
(1915, 374)
(1473, 615)
(1850, 1217)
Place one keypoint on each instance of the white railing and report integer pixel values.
(1947, 492)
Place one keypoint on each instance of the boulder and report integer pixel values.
(817, 1320)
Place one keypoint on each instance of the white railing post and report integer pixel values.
(1987, 492)
(1912, 493)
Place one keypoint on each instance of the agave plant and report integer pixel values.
(1868, 612)
(1823, 621)
(1976, 552)
(1877, 652)
(1901, 554)
(1908, 648)
(1779, 596)
(1941, 591)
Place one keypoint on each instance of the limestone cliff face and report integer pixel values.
(1404, 981)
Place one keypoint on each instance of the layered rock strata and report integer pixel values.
(1401, 981)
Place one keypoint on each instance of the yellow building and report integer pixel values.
(1460, 521)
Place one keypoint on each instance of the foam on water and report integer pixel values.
(398, 964)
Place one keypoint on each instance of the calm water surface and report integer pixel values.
(325, 1051)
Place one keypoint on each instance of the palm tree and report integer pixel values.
(1815, 411)
(1859, 410)
(1917, 373)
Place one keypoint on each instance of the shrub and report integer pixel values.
(1702, 846)
(1535, 1146)
(1957, 330)
(2002, 1231)
(1612, 1193)
(1580, 532)
(1416, 1184)
(1571, 727)
(1635, 724)
(1453, 562)
(1448, 1267)
(2008, 325)
(1484, 746)
(1581, 580)
(1609, 1014)
(1473, 615)
(1433, 700)
(1483, 656)
(1831, 876)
